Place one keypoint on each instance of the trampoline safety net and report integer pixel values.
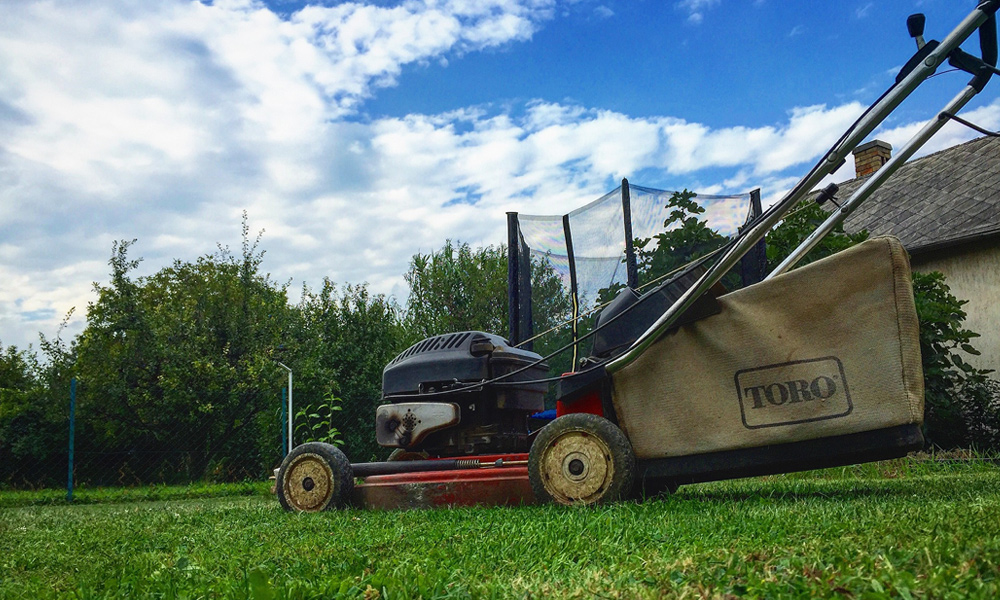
(560, 267)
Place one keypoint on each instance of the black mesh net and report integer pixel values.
(582, 257)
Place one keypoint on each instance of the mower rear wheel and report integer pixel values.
(314, 477)
(581, 459)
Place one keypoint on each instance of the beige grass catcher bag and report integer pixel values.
(828, 349)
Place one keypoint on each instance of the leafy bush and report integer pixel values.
(33, 411)
(799, 223)
(317, 424)
(962, 403)
(686, 236)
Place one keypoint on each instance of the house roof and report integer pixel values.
(943, 199)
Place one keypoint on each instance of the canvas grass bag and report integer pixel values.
(829, 349)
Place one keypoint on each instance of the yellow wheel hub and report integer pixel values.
(577, 468)
(308, 483)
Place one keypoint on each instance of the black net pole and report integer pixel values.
(526, 322)
(754, 264)
(513, 289)
(572, 285)
(632, 270)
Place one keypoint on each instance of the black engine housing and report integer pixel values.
(493, 417)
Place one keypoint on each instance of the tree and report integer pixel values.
(685, 238)
(28, 426)
(799, 223)
(177, 366)
(457, 288)
(342, 341)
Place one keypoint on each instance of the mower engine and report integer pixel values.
(458, 417)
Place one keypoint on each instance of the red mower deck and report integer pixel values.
(491, 486)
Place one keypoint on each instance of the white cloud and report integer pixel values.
(695, 9)
(987, 116)
(164, 121)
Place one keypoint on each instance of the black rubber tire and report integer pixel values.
(581, 459)
(314, 477)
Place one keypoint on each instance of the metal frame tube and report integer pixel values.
(878, 113)
(873, 183)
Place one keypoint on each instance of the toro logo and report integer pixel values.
(794, 392)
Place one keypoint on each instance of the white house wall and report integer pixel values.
(973, 273)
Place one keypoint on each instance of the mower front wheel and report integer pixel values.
(581, 459)
(314, 477)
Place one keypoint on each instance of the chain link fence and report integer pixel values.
(85, 445)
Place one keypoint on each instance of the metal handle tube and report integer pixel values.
(882, 109)
(873, 183)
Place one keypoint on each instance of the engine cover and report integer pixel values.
(466, 356)
(444, 370)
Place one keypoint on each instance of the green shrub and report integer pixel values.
(962, 403)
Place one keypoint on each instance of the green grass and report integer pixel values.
(902, 529)
(86, 495)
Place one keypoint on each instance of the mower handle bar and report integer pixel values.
(982, 15)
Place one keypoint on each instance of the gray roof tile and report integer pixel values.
(940, 198)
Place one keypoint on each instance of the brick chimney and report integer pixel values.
(869, 157)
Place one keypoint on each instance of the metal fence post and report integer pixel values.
(281, 423)
(72, 432)
(291, 434)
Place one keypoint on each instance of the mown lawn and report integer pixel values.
(902, 529)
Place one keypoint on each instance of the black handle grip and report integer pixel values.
(988, 40)
(915, 25)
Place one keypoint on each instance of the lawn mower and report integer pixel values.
(685, 383)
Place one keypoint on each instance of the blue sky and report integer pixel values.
(356, 134)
